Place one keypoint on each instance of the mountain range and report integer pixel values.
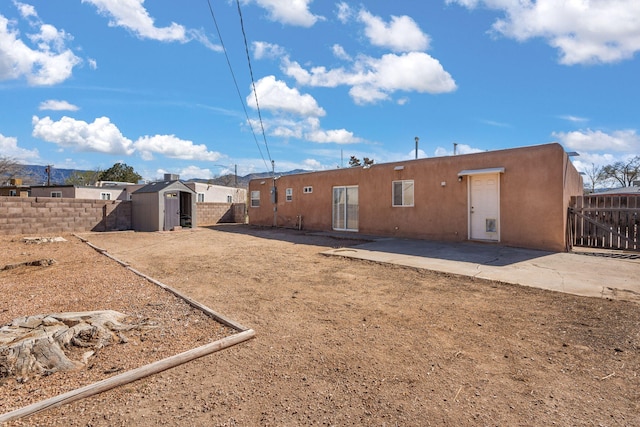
(37, 175)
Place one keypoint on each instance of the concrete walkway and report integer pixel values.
(603, 274)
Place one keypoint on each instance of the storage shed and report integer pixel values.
(163, 206)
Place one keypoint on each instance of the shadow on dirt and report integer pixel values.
(470, 252)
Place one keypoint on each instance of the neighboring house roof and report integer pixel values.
(157, 186)
(635, 189)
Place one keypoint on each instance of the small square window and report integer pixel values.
(200, 197)
(255, 199)
(402, 193)
(288, 194)
(307, 190)
(105, 196)
(229, 199)
(57, 194)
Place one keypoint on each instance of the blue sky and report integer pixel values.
(88, 83)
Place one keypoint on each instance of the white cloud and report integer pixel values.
(574, 119)
(495, 123)
(584, 31)
(290, 12)
(308, 129)
(26, 10)
(56, 105)
(9, 148)
(337, 136)
(49, 63)
(375, 79)
(132, 15)
(93, 64)
(191, 172)
(312, 164)
(276, 96)
(343, 12)
(460, 149)
(173, 147)
(402, 34)
(624, 141)
(340, 53)
(267, 50)
(100, 136)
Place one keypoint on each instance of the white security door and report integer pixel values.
(484, 207)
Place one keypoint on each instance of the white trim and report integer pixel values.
(480, 171)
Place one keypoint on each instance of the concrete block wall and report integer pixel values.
(214, 213)
(43, 215)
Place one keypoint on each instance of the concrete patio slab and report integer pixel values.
(603, 274)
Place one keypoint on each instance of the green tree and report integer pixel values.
(120, 172)
(355, 162)
(624, 173)
(83, 177)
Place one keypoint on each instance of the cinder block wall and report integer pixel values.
(41, 215)
(214, 213)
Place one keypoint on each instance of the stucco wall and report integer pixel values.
(534, 195)
(41, 215)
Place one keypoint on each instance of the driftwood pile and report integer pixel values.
(40, 345)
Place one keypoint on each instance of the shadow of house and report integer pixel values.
(163, 206)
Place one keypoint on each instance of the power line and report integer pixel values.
(253, 83)
(235, 82)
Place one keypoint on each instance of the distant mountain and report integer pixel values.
(37, 175)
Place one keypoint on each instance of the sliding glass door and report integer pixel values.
(345, 208)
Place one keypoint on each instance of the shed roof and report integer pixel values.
(634, 189)
(157, 186)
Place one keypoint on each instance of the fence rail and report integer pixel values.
(607, 222)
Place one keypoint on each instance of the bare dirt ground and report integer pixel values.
(338, 341)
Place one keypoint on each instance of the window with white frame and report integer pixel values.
(403, 193)
(229, 199)
(105, 196)
(288, 193)
(255, 199)
(307, 190)
(57, 194)
(200, 197)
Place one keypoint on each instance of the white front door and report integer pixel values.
(484, 207)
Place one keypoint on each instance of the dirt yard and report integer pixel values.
(338, 341)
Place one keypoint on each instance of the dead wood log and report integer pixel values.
(38, 345)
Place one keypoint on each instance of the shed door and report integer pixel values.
(484, 207)
(171, 210)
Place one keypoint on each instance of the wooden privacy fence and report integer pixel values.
(608, 222)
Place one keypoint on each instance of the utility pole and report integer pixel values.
(417, 139)
(48, 171)
(274, 194)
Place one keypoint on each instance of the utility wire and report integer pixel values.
(235, 82)
(253, 82)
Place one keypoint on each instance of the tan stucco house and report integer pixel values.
(517, 197)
